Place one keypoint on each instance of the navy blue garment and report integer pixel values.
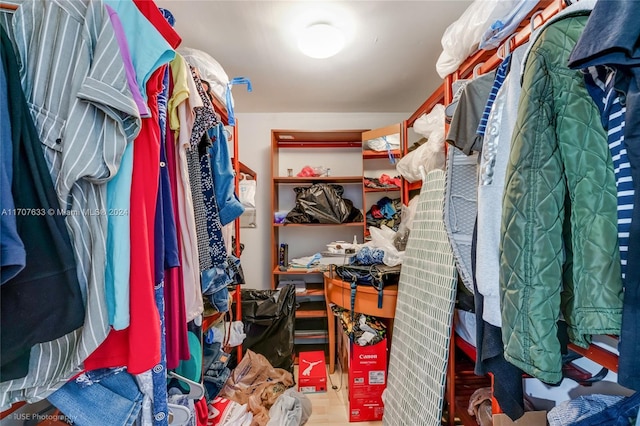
(507, 386)
(501, 75)
(12, 254)
(44, 301)
(623, 413)
(611, 37)
(165, 250)
(599, 82)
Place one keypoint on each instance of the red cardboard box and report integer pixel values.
(312, 372)
(367, 381)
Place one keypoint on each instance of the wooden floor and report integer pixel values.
(330, 407)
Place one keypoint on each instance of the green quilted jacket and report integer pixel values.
(559, 249)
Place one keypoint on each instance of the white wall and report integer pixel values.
(254, 139)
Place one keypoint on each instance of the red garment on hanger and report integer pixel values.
(138, 346)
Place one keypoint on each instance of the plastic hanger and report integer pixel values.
(532, 21)
(196, 390)
(506, 47)
(179, 415)
(476, 69)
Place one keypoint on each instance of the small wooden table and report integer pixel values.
(339, 292)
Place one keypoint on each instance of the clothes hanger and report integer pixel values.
(179, 415)
(506, 46)
(196, 390)
(532, 21)
(476, 70)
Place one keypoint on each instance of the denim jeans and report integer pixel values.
(88, 402)
(214, 287)
(623, 413)
(216, 373)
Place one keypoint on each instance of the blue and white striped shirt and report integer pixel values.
(600, 84)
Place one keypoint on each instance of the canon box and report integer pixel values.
(367, 381)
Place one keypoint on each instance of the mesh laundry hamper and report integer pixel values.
(424, 314)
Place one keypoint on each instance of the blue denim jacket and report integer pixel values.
(223, 177)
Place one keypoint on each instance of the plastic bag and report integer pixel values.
(506, 25)
(322, 203)
(247, 192)
(210, 70)
(269, 318)
(430, 154)
(462, 37)
(382, 238)
(235, 333)
(384, 143)
(258, 384)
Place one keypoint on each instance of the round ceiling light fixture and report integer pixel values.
(321, 41)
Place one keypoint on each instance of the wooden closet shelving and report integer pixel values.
(294, 149)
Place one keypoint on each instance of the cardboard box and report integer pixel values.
(530, 418)
(312, 372)
(367, 381)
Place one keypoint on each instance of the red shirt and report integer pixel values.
(138, 346)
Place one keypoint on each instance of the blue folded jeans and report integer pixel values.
(88, 402)
(623, 413)
(216, 371)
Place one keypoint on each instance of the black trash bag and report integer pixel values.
(269, 323)
(322, 203)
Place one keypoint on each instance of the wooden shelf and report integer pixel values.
(389, 189)
(299, 271)
(325, 179)
(312, 313)
(311, 337)
(312, 290)
(369, 154)
(318, 138)
(360, 224)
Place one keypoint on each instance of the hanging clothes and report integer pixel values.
(138, 346)
(47, 252)
(610, 38)
(182, 108)
(559, 249)
(79, 100)
(12, 252)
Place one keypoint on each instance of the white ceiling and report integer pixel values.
(388, 64)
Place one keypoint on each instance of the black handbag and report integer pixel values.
(377, 276)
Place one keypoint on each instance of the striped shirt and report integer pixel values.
(600, 84)
(76, 87)
(501, 75)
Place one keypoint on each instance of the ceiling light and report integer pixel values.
(321, 41)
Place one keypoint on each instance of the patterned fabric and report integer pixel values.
(195, 181)
(600, 84)
(579, 408)
(204, 119)
(424, 317)
(460, 208)
(205, 115)
(217, 249)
